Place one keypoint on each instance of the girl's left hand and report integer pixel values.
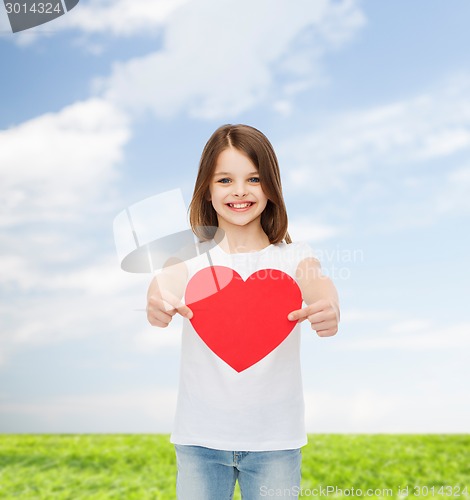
(322, 314)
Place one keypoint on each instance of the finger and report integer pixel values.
(158, 318)
(299, 314)
(185, 311)
(323, 325)
(156, 303)
(327, 333)
(153, 301)
(168, 308)
(323, 317)
(162, 310)
(320, 317)
(160, 324)
(172, 303)
(318, 306)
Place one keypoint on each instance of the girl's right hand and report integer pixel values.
(162, 306)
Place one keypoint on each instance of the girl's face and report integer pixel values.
(235, 190)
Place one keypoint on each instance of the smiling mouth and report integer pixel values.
(240, 205)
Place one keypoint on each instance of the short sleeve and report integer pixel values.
(303, 250)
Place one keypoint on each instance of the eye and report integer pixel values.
(222, 181)
(254, 179)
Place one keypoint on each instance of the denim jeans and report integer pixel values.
(208, 474)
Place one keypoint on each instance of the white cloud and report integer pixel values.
(217, 60)
(360, 411)
(57, 304)
(303, 229)
(379, 140)
(428, 198)
(100, 278)
(453, 196)
(57, 173)
(121, 17)
(413, 335)
(147, 410)
(410, 326)
(371, 410)
(62, 316)
(56, 317)
(283, 107)
(52, 166)
(74, 302)
(56, 178)
(389, 167)
(366, 315)
(17, 271)
(151, 340)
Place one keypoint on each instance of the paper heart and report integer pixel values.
(242, 321)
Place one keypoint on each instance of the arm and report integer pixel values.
(165, 293)
(321, 297)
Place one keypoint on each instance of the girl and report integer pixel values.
(240, 409)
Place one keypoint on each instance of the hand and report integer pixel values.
(323, 316)
(162, 306)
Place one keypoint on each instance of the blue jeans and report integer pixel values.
(208, 474)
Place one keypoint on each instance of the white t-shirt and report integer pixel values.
(248, 404)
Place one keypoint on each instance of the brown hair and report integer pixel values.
(259, 150)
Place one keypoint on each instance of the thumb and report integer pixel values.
(185, 311)
(176, 304)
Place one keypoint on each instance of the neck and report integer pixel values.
(242, 239)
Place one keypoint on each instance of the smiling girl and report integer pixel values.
(240, 409)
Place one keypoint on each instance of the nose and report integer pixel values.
(239, 190)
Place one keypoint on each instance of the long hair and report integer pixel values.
(256, 146)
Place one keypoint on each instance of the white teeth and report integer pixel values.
(239, 205)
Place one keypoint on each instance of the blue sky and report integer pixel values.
(368, 107)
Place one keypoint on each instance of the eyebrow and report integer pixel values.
(229, 173)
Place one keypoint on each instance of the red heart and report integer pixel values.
(242, 321)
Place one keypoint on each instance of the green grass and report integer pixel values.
(129, 467)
